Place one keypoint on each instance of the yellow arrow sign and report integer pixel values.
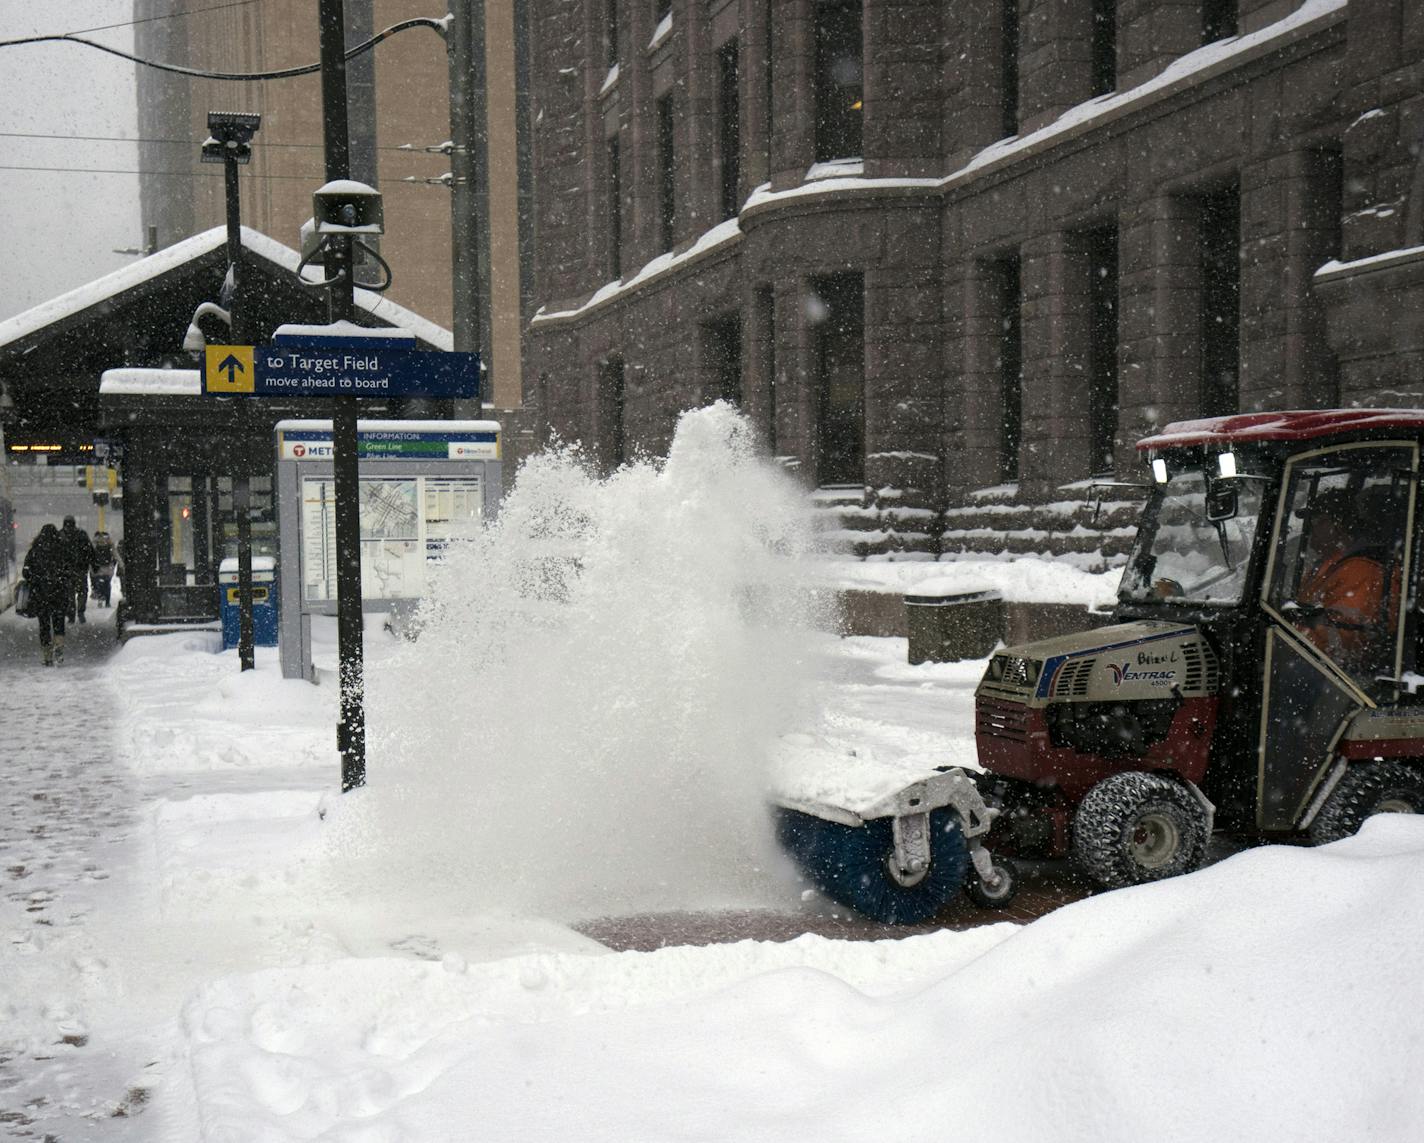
(228, 369)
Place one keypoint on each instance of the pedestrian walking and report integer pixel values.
(46, 570)
(101, 571)
(79, 556)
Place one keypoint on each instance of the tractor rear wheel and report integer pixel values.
(1135, 827)
(1368, 788)
(855, 865)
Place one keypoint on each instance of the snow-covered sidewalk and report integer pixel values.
(227, 982)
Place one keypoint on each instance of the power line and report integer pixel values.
(317, 176)
(439, 26)
(177, 142)
(166, 16)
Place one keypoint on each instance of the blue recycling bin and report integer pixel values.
(264, 601)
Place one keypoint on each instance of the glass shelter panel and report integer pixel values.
(405, 522)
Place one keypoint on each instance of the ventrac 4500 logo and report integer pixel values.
(1156, 669)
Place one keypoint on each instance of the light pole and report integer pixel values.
(229, 143)
(341, 303)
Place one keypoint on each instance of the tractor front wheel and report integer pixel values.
(1368, 788)
(1135, 827)
(855, 865)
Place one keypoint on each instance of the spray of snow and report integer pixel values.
(584, 722)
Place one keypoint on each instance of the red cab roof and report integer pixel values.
(1291, 425)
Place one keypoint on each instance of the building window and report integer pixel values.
(1220, 245)
(667, 170)
(1103, 47)
(1102, 257)
(836, 309)
(730, 130)
(615, 210)
(1218, 20)
(1325, 204)
(839, 87)
(1009, 67)
(766, 338)
(610, 32)
(722, 356)
(611, 413)
(1007, 283)
(769, 124)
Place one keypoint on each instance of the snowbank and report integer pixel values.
(1021, 580)
(1269, 997)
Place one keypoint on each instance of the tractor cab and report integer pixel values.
(1260, 675)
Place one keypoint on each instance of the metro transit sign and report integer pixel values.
(339, 367)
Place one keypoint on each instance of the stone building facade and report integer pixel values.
(951, 256)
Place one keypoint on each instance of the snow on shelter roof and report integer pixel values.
(151, 383)
(1289, 425)
(172, 257)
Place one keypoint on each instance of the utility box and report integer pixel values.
(945, 626)
(264, 601)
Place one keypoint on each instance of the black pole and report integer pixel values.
(351, 725)
(465, 46)
(241, 487)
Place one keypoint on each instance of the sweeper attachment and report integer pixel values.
(1263, 677)
(902, 859)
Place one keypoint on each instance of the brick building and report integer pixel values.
(952, 255)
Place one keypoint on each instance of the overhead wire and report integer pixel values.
(439, 26)
(189, 174)
(178, 142)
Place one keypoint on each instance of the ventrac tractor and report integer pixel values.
(1261, 677)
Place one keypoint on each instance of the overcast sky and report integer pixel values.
(58, 228)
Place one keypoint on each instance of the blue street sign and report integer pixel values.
(340, 367)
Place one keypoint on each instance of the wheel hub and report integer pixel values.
(1154, 841)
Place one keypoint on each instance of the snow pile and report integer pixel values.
(1268, 997)
(583, 725)
(1023, 579)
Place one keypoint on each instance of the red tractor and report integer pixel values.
(1261, 677)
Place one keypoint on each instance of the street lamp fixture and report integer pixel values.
(230, 136)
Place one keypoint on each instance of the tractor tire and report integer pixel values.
(852, 865)
(1135, 827)
(1366, 789)
(998, 893)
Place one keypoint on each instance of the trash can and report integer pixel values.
(264, 601)
(948, 624)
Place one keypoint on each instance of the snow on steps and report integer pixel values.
(872, 524)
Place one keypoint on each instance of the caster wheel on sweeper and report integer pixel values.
(855, 865)
(998, 891)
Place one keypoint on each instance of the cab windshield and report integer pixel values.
(1194, 545)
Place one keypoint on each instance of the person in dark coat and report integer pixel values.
(46, 570)
(101, 571)
(79, 555)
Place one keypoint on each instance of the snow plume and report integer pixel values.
(583, 724)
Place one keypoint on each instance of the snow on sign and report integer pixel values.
(341, 360)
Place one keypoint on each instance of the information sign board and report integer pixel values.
(339, 367)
